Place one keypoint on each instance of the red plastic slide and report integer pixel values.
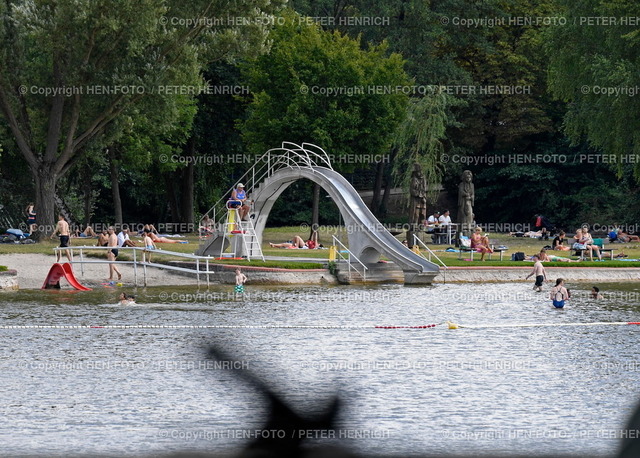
(62, 270)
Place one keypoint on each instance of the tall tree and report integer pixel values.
(319, 86)
(69, 70)
(595, 67)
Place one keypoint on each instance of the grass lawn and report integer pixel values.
(282, 234)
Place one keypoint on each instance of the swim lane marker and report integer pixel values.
(449, 324)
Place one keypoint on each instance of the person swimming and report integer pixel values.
(126, 299)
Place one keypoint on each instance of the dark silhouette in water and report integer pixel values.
(291, 444)
(283, 419)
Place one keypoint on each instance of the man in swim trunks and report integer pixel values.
(62, 229)
(112, 254)
(539, 272)
(559, 294)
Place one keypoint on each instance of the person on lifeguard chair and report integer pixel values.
(239, 200)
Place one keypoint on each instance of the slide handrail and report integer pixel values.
(140, 262)
(431, 253)
(337, 241)
(289, 154)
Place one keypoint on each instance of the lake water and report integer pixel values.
(140, 391)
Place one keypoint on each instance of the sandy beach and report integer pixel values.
(33, 268)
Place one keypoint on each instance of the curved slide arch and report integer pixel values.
(368, 238)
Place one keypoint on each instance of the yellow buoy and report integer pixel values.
(452, 325)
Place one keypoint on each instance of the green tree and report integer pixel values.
(595, 68)
(70, 70)
(323, 87)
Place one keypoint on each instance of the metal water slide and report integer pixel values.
(368, 238)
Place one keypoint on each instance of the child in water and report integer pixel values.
(126, 299)
(240, 281)
(595, 293)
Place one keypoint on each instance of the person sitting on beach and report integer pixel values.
(585, 242)
(123, 238)
(433, 221)
(239, 200)
(445, 219)
(624, 237)
(103, 238)
(149, 246)
(88, 232)
(158, 239)
(558, 242)
(150, 227)
(480, 243)
(559, 294)
(206, 228)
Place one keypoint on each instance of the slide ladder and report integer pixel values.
(236, 229)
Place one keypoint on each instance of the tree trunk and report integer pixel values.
(172, 196)
(115, 186)
(186, 197)
(388, 185)
(87, 188)
(46, 218)
(188, 186)
(377, 187)
(315, 210)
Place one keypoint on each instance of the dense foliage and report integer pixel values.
(541, 104)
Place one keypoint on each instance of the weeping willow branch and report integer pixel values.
(419, 140)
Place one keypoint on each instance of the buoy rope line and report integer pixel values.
(449, 324)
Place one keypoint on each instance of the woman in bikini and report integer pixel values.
(480, 243)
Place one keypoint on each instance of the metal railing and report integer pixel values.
(350, 265)
(289, 154)
(431, 253)
(141, 261)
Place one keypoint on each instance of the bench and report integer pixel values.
(600, 244)
(466, 249)
(582, 253)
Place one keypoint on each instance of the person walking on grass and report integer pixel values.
(62, 229)
(539, 272)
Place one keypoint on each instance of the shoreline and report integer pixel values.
(30, 271)
(488, 274)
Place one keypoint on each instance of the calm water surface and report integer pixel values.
(544, 390)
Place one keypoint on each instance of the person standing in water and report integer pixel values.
(539, 272)
(240, 281)
(559, 294)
